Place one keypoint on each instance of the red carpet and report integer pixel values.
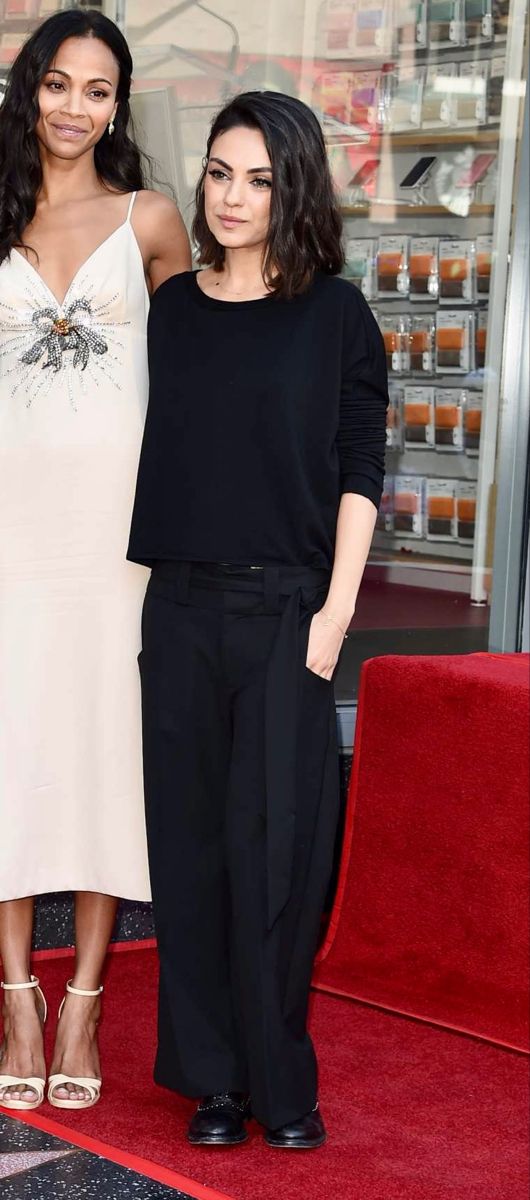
(431, 916)
(414, 1113)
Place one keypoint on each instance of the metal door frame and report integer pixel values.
(512, 517)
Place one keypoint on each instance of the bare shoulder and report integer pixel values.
(154, 209)
(149, 201)
(162, 236)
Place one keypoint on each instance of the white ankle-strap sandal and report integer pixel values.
(90, 1085)
(24, 1083)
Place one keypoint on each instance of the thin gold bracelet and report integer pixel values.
(327, 620)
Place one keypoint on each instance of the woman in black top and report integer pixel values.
(259, 481)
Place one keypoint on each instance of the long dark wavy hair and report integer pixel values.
(118, 159)
(305, 223)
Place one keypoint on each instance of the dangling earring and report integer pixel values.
(111, 127)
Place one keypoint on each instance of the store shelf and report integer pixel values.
(446, 137)
(420, 137)
(414, 210)
(435, 464)
(420, 553)
(360, 60)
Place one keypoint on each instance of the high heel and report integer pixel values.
(90, 1085)
(24, 1082)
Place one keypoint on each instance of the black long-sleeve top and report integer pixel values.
(261, 414)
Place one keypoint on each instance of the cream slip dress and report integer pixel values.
(73, 394)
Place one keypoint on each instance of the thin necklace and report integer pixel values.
(219, 284)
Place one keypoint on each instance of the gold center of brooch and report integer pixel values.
(62, 326)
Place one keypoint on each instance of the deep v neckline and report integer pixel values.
(84, 264)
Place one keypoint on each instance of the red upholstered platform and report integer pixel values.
(431, 915)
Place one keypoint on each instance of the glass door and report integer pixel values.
(421, 103)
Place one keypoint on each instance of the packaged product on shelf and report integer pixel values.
(478, 21)
(392, 266)
(456, 264)
(439, 100)
(423, 268)
(481, 334)
(338, 25)
(455, 342)
(418, 417)
(409, 505)
(441, 510)
(16, 9)
(471, 94)
(494, 90)
(449, 419)
(394, 418)
(466, 510)
(334, 94)
(501, 17)
(483, 257)
(422, 336)
(360, 264)
(472, 422)
(396, 337)
(372, 30)
(445, 24)
(364, 99)
(404, 89)
(410, 23)
(385, 516)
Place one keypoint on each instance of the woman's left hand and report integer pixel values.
(325, 644)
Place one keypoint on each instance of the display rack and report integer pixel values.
(473, 59)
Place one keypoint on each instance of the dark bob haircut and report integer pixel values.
(305, 223)
(118, 160)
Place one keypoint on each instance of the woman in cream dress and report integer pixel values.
(80, 251)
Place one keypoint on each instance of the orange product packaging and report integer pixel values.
(394, 418)
(466, 510)
(455, 342)
(409, 503)
(396, 337)
(418, 417)
(422, 344)
(449, 419)
(483, 260)
(423, 268)
(456, 266)
(392, 266)
(385, 515)
(480, 339)
(441, 510)
(472, 422)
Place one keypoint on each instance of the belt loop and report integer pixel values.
(271, 589)
(183, 583)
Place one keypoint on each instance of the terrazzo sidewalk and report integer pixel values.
(37, 1165)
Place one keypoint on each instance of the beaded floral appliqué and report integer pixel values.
(78, 338)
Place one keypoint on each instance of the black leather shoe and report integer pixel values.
(305, 1134)
(220, 1120)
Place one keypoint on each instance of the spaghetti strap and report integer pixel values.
(130, 208)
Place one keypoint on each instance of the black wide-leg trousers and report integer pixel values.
(234, 972)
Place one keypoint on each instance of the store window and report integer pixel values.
(421, 104)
